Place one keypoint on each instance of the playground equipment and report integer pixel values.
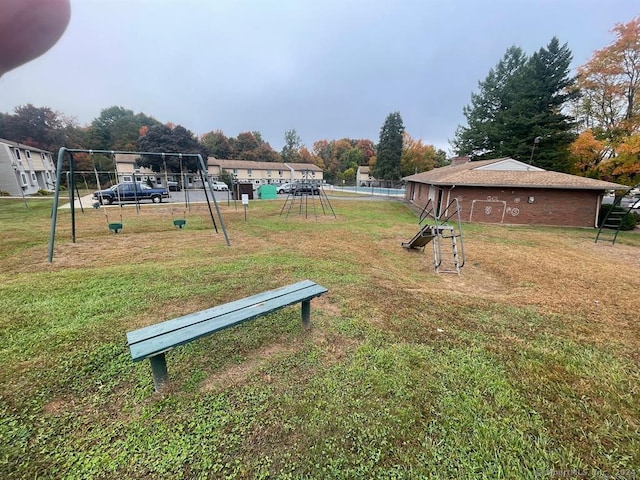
(612, 222)
(298, 198)
(437, 231)
(113, 226)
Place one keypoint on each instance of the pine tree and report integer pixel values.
(387, 165)
(518, 111)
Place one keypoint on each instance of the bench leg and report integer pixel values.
(306, 313)
(159, 370)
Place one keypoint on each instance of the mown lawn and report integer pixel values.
(524, 366)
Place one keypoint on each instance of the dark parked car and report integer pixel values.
(305, 189)
(173, 186)
(130, 192)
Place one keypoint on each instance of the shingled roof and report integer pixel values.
(507, 172)
(246, 164)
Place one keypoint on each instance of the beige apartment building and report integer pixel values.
(256, 173)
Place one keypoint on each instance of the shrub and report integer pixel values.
(629, 220)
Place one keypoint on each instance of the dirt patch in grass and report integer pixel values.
(333, 348)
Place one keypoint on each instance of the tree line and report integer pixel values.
(118, 128)
(529, 107)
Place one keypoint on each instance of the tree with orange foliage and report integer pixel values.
(587, 152)
(610, 83)
(610, 109)
(418, 157)
(625, 166)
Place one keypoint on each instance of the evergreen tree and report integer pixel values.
(387, 165)
(483, 137)
(518, 111)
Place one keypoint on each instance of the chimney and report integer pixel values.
(459, 161)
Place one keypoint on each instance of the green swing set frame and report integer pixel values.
(70, 151)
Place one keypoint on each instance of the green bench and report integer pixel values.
(153, 341)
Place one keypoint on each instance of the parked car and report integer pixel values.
(305, 189)
(130, 192)
(284, 188)
(173, 186)
(220, 186)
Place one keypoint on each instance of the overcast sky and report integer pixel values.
(327, 68)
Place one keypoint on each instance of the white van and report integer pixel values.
(219, 186)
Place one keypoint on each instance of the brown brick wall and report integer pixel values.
(572, 208)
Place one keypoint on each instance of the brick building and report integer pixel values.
(508, 191)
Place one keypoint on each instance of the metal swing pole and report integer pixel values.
(203, 169)
(56, 197)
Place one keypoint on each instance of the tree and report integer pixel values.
(368, 149)
(625, 166)
(163, 138)
(217, 144)
(291, 150)
(250, 146)
(117, 128)
(482, 135)
(387, 165)
(587, 152)
(40, 127)
(547, 89)
(521, 100)
(418, 157)
(610, 81)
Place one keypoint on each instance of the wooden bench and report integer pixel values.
(153, 341)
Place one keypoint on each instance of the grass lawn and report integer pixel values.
(524, 366)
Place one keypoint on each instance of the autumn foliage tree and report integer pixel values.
(418, 157)
(610, 84)
(610, 107)
(587, 152)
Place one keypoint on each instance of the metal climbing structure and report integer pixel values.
(302, 200)
(613, 219)
(443, 230)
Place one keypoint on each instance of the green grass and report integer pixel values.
(405, 374)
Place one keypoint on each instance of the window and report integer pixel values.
(24, 179)
(16, 152)
(28, 153)
(280, 172)
(268, 173)
(34, 179)
(126, 178)
(235, 171)
(48, 175)
(249, 172)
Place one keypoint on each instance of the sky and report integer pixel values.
(329, 69)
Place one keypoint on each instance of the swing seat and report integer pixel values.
(115, 227)
(179, 223)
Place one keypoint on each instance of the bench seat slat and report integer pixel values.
(201, 316)
(215, 319)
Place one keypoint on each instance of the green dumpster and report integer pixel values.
(267, 192)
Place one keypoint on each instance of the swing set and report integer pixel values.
(117, 226)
